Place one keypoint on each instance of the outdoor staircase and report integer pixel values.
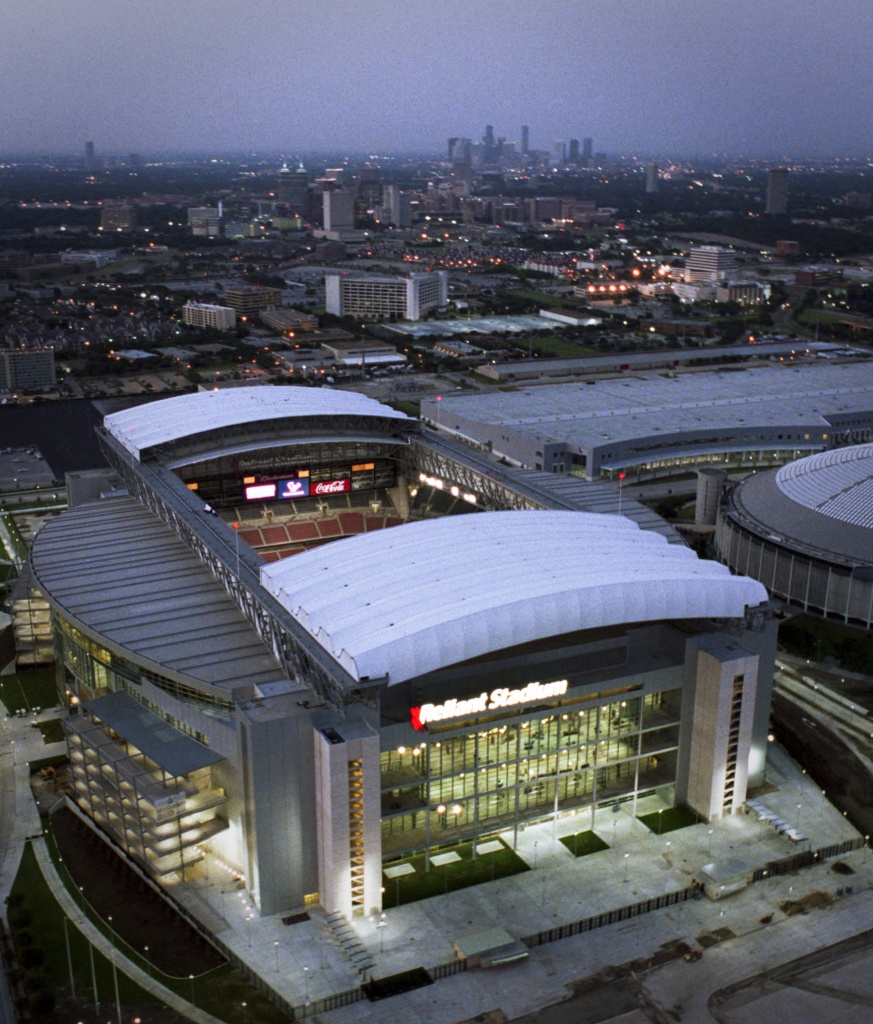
(351, 945)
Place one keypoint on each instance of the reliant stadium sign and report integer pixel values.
(495, 701)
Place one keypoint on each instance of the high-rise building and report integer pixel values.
(489, 150)
(90, 158)
(205, 220)
(777, 190)
(339, 210)
(573, 155)
(587, 149)
(559, 152)
(651, 178)
(525, 140)
(292, 189)
(709, 263)
(372, 296)
(396, 208)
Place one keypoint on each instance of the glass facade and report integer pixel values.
(489, 777)
(92, 669)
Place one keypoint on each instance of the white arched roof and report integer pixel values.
(416, 598)
(837, 483)
(171, 419)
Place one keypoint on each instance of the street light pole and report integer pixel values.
(69, 956)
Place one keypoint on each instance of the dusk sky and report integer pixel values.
(760, 77)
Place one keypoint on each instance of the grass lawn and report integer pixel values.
(809, 316)
(175, 949)
(459, 875)
(403, 405)
(583, 843)
(35, 688)
(541, 297)
(46, 925)
(52, 731)
(809, 637)
(669, 820)
(560, 348)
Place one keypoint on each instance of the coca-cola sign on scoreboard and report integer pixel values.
(331, 487)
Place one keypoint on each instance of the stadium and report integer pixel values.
(311, 639)
(806, 532)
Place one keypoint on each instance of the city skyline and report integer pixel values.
(753, 78)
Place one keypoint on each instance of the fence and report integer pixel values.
(806, 859)
(588, 924)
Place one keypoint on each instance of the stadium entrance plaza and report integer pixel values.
(305, 963)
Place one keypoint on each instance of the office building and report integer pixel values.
(90, 158)
(292, 189)
(205, 221)
(374, 297)
(289, 321)
(202, 314)
(777, 190)
(418, 681)
(117, 217)
(651, 178)
(339, 210)
(710, 263)
(525, 140)
(250, 299)
(396, 207)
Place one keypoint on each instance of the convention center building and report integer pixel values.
(305, 636)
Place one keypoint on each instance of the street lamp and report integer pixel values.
(626, 860)
(306, 985)
(276, 948)
(380, 924)
(191, 979)
(710, 844)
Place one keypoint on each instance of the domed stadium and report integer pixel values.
(806, 532)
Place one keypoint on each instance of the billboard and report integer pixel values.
(260, 492)
(331, 487)
(293, 488)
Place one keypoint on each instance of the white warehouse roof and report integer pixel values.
(172, 419)
(408, 601)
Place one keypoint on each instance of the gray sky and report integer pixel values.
(768, 77)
